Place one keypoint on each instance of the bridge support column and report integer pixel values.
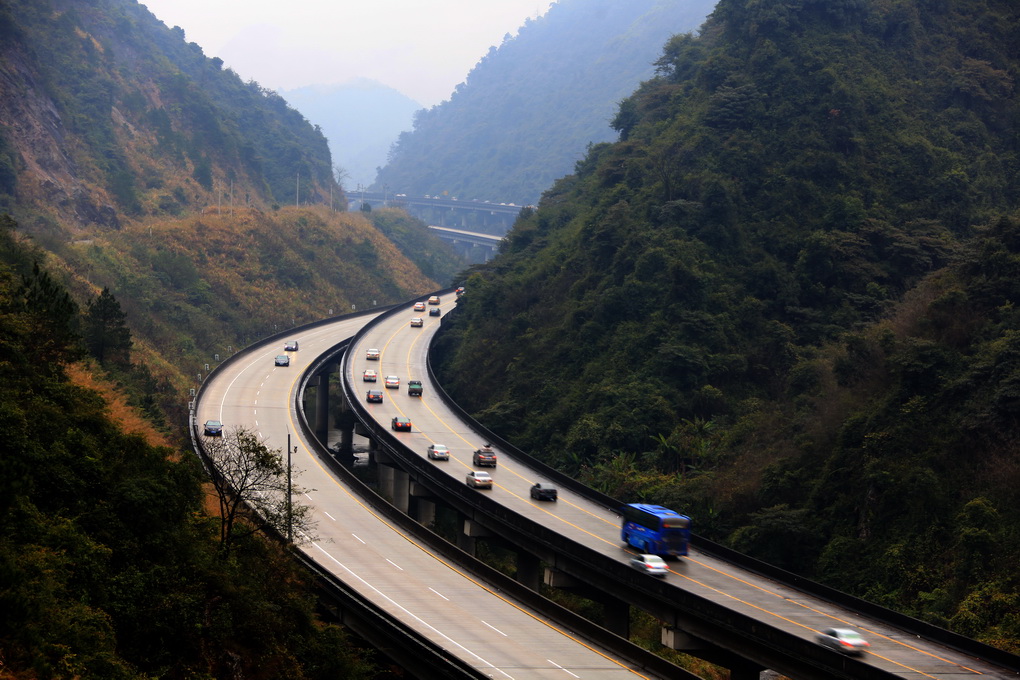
(529, 570)
(322, 409)
(386, 481)
(616, 615)
(468, 535)
(401, 490)
(344, 421)
(423, 504)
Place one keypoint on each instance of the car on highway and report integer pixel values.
(843, 640)
(392, 382)
(544, 491)
(650, 564)
(419, 306)
(417, 322)
(291, 346)
(435, 311)
(484, 457)
(434, 300)
(401, 423)
(212, 428)
(372, 354)
(282, 360)
(370, 375)
(479, 479)
(438, 452)
(374, 396)
(414, 388)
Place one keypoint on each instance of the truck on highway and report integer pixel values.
(414, 388)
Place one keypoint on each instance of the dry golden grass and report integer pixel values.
(120, 411)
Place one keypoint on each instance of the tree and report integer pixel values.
(107, 336)
(253, 489)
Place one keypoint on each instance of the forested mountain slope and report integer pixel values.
(142, 166)
(110, 567)
(785, 301)
(530, 107)
(109, 115)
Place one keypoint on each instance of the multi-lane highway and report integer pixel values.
(403, 353)
(450, 606)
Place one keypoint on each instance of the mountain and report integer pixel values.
(108, 115)
(361, 119)
(142, 166)
(530, 107)
(784, 301)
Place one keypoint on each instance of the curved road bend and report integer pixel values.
(404, 350)
(444, 603)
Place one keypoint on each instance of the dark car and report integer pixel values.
(484, 457)
(291, 346)
(435, 311)
(374, 397)
(544, 492)
(213, 428)
(843, 640)
(282, 360)
(401, 423)
(414, 388)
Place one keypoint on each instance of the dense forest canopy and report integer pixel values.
(783, 301)
(110, 567)
(530, 107)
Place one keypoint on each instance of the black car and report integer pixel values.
(282, 360)
(544, 492)
(291, 346)
(401, 423)
(374, 396)
(213, 428)
(435, 311)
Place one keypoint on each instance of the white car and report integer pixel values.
(417, 322)
(392, 382)
(438, 452)
(650, 564)
(479, 479)
(372, 355)
(434, 300)
(369, 375)
(843, 640)
(419, 306)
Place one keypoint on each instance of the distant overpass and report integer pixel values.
(473, 246)
(480, 217)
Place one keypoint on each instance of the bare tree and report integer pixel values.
(254, 492)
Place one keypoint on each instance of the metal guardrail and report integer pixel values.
(423, 658)
(902, 621)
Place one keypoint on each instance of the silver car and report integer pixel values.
(843, 640)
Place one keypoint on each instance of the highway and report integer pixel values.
(471, 620)
(404, 349)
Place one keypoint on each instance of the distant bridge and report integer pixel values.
(473, 246)
(479, 217)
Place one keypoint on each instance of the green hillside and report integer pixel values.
(530, 107)
(783, 302)
(111, 116)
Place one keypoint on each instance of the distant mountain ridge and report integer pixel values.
(530, 107)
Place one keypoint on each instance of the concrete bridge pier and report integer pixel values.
(529, 570)
(468, 535)
(423, 504)
(615, 612)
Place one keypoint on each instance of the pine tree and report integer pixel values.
(107, 336)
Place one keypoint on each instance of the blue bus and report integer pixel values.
(655, 530)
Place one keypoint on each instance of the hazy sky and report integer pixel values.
(423, 48)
